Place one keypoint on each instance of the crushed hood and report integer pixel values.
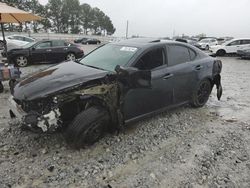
(54, 79)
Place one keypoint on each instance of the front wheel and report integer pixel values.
(71, 57)
(201, 93)
(21, 61)
(87, 127)
(220, 52)
(207, 47)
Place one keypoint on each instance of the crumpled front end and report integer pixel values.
(39, 116)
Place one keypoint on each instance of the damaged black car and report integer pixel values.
(116, 84)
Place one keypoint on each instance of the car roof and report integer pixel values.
(144, 42)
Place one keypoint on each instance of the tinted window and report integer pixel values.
(57, 43)
(237, 42)
(245, 42)
(43, 45)
(151, 60)
(177, 55)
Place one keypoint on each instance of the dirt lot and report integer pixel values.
(185, 147)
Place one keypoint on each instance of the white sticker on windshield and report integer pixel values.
(128, 49)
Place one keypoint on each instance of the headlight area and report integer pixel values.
(42, 115)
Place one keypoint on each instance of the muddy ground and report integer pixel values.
(184, 147)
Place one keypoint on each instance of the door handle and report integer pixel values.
(167, 76)
(48, 50)
(198, 67)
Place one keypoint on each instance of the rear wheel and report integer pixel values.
(71, 57)
(21, 61)
(201, 93)
(87, 127)
(221, 52)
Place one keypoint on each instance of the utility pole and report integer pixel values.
(127, 30)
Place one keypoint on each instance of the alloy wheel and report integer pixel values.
(21, 61)
(71, 57)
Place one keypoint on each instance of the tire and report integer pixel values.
(201, 94)
(1, 87)
(207, 47)
(87, 127)
(71, 57)
(21, 61)
(220, 52)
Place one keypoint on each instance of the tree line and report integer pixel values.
(64, 16)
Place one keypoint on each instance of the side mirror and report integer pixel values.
(33, 48)
(133, 77)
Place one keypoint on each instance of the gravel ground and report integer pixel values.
(184, 147)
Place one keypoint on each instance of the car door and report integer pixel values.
(183, 66)
(58, 51)
(141, 101)
(232, 47)
(40, 52)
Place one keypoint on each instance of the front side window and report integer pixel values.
(234, 43)
(109, 56)
(43, 45)
(151, 60)
(178, 54)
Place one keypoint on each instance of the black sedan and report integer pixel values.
(114, 85)
(46, 51)
(91, 41)
(80, 40)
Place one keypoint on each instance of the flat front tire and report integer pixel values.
(201, 93)
(87, 127)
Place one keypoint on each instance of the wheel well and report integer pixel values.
(221, 50)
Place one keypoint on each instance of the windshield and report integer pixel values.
(109, 56)
(29, 45)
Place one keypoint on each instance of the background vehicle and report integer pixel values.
(80, 40)
(91, 41)
(244, 54)
(46, 51)
(17, 40)
(231, 47)
(207, 42)
(189, 41)
(108, 88)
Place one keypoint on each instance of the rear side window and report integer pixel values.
(245, 42)
(58, 43)
(179, 54)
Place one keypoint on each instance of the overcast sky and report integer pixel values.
(160, 18)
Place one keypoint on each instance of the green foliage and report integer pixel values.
(66, 16)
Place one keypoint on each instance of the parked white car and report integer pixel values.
(17, 40)
(231, 46)
(207, 42)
